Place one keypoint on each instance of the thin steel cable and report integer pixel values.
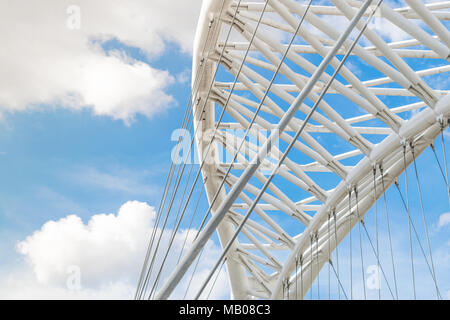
(172, 201)
(289, 147)
(389, 232)
(416, 234)
(409, 221)
(424, 220)
(166, 219)
(178, 218)
(193, 274)
(378, 261)
(337, 254)
(340, 286)
(441, 170)
(168, 182)
(161, 234)
(215, 280)
(376, 225)
(182, 197)
(177, 223)
(151, 242)
(138, 293)
(175, 231)
(360, 221)
(192, 220)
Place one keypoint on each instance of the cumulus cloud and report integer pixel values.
(105, 254)
(52, 54)
(444, 220)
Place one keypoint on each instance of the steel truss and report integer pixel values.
(300, 196)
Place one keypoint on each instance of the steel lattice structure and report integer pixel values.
(337, 154)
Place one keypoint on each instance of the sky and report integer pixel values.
(90, 93)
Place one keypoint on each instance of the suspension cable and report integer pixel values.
(340, 286)
(416, 234)
(337, 253)
(192, 220)
(177, 222)
(389, 231)
(175, 231)
(193, 274)
(409, 221)
(376, 225)
(424, 220)
(441, 170)
(317, 264)
(378, 261)
(215, 280)
(360, 221)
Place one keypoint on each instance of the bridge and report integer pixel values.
(304, 117)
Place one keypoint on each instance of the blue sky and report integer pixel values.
(71, 147)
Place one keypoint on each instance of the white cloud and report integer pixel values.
(45, 62)
(387, 30)
(184, 76)
(108, 251)
(444, 220)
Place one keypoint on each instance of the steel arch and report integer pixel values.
(254, 268)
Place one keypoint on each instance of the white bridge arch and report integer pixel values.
(379, 135)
